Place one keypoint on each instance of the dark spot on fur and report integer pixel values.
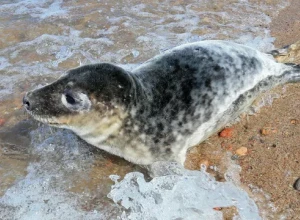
(265, 83)
(160, 127)
(156, 140)
(208, 83)
(217, 68)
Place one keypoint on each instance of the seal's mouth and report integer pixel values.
(53, 121)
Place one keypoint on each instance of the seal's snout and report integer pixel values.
(27, 104)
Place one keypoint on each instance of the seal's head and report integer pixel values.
(84, 97)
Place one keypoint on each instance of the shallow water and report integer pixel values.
(42, 167)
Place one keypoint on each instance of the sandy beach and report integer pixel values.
(266, 145)
(271, 164)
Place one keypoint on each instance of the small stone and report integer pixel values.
(294, 121)
(2, 121)
(234, 157)
(268, 130)
(217, 208)
(297, 184)
(242, 151)
(226, 133)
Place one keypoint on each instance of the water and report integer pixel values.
(180, 195)
(49, 173)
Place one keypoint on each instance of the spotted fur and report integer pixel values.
(168, 104)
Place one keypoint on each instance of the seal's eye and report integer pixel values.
(75, 100)
(70, 99)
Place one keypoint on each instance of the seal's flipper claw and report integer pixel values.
(287, 54)
(279, 52)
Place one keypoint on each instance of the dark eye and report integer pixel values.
(70, 99)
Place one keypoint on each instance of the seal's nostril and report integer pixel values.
(26, 103)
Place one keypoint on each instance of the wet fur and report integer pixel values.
(168, 104)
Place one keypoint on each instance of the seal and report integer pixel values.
(170, 103)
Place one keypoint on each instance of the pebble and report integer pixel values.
(226, 133)
(297, 184)
(242, 151)
(294, 121)
(234, 157)
(217, 208)
(2, 121)
(268, 130)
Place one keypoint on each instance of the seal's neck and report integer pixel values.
(138, 91)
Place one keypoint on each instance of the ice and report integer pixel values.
(181, 194)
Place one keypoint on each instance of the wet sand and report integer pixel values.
(269, 168)
(271, 136)
(286, 26)
(277, 166)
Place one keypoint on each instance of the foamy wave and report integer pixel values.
(35, 8)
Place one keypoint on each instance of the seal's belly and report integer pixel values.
(137, 154)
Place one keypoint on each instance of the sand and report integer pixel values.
(271, 137)
(271, 164)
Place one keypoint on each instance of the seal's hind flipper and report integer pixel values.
(287, 54)
(279, 52)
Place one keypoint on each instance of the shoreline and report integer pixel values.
(278, 166)
(271, 164)
(285, 27)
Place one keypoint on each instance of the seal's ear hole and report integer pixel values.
(76, 101)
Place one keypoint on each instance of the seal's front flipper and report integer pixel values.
(293, 75)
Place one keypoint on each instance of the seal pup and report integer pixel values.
(170, 103)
